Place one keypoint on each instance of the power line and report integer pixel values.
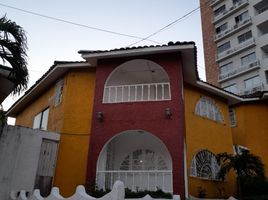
(167, 26)
(75, 23)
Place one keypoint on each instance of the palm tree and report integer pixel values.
(245, 165)
(13, 54)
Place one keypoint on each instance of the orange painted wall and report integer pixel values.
(72, 119)
(251, 129)
(203, 133)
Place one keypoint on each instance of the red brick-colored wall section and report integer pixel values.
(148, 116)
(210, 48)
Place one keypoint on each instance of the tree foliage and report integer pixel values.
(13, 46)
(246, 166)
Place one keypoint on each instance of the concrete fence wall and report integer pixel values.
(117, 193)
(19, 156)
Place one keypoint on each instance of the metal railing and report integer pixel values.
(233, 28)
(235, 50)
(231, 10)
(253, 89)
(136, 180)
(137, 92)
(238, 70)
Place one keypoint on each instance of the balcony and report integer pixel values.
(137, 92)
(136, 179)
(215, 2)
(253, 89)
(233, 51)
(238, 71)
(237, 27)
(230, 11)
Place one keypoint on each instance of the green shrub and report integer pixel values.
(158, 194)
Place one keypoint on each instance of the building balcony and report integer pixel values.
(136, 179)
(137, 92)
(230, 11)
(233, 51)
(215, 2)
(238, 71)
(232, 30)
(253, 89)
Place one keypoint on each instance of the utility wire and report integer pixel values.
(167, 26)
(76, 24)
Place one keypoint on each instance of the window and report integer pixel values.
(221, 28)
(219, 10)
(236, 1)
(41, 120)
(58, 92)
(231, 88)
(250, 58)
(232, 117)
(252, 82)
(266, 76)
(206, 107)
(204, 165)
(244, 37)
(240, 18)
(224, 69)
(224, 47)
(143, 159)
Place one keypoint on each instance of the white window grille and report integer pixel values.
(206, 107)
(58, 93)
(143, 159)
(41, 120)
(142, 169)
(204, 165)
(137, 92)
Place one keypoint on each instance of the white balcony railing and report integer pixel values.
(239, 70)
(232, 29)
(226, 54)
(137, 92)
(136, 180)
(230, 11)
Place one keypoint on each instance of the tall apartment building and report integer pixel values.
(235, 37)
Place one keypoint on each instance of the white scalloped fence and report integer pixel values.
(117, 193)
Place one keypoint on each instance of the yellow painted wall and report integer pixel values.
(251, 129)
(72, 119)
(203, 133)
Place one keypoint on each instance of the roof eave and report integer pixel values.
(92, 58)
(45, 82)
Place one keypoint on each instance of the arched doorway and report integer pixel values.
(139, 159)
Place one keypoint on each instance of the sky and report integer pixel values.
(49, 39)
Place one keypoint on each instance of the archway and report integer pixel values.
(139, 159)
(137, 80)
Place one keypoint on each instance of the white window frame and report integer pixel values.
(206, 107)
(58, 92)
(204, 159)
(40, 120)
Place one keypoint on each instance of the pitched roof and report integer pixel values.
(50, 76)
(136, 48)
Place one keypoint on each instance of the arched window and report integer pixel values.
(204, 165)
(135, 81)
(206, 107)
(143, 159)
